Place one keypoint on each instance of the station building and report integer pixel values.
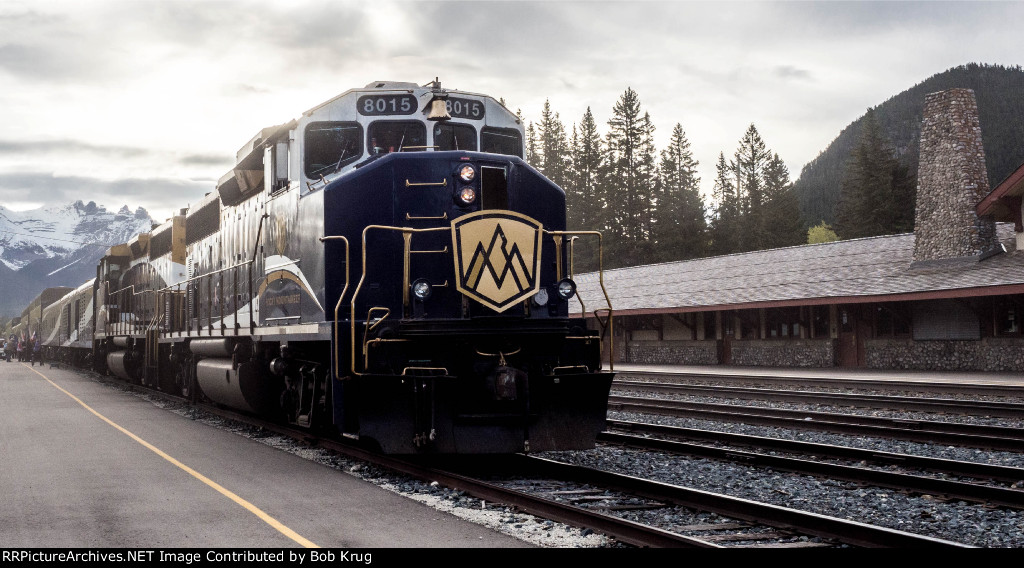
(949, 296)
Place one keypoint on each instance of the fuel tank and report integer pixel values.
(243, 388)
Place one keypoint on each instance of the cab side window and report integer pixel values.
(501, 141)
(331, 146)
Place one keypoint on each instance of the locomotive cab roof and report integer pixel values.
(341, 132)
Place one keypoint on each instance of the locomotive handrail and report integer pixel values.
(201, 276)
(442, 217)
(177, 287)
(337, 307)
(120, 323)
(247, 263)
(608, 327)
(600, 275)
(407, 235)
(418, 148)
(310, 185)
(257, 244)
(442, 183)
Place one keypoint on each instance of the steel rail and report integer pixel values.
(846, 383)
(1013, 498)
(991, 437)
(833, 528)
(950, 406)
(939, 465)
(621, 529)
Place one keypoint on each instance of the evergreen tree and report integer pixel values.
(877, 194)
(725, 221)
(680, 228)
(750, 161)
(781, 209)
(584, 191)
(585, 201)
(552, 149)
(532, 146)
(630, 162)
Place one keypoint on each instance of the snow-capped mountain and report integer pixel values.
(58, 246)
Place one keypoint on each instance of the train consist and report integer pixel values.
(386, 266)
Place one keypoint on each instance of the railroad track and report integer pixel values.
(616, 505)
(845, 384)
(595, 499)
(737, 522)
(989, 485)
(915, 404)
(990, 437)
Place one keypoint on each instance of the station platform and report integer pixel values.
(1007, 379)
(89, 465)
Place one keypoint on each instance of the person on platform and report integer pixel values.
(37, 350)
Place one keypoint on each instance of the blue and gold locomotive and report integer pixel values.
(386, 265)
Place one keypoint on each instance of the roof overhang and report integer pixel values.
(1004, 202)
(975, 292)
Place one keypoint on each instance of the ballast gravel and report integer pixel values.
(957, 521)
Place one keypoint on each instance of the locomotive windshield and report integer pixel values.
(450, 136)
(332, 145)
(501, 141)
(397, 136)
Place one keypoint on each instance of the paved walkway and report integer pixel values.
(83, 464)
(962, 377)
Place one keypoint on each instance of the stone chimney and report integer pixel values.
(951, 180)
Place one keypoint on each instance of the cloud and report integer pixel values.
(219, 160)
(160, 94)
(160, 196)
(35, 148)
(791, 72)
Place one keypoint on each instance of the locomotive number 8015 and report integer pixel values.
(386, 267)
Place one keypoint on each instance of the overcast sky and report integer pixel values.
(144, 103)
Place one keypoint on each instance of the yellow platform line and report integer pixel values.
(225, 492)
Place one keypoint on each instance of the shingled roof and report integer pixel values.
(852, 271)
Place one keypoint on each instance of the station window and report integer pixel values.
(330, 146)
(750, 324)
(449, 136)
(846, 323)
(729, 324)
(783, 323)
(820, 322)
(1007, 316)
(387, 136)
(710, 325)
(892, 320)
(506, 141)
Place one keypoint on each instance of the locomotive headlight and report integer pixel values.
(541, 297)
(467, 173)
(566, 289)
(421, 289)
(466, 195)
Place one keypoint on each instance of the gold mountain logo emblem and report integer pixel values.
(497, 257)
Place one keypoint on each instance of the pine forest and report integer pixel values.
(649, 205)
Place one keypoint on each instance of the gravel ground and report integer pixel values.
(1011, 459)
(971, 524)
(834, 409)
